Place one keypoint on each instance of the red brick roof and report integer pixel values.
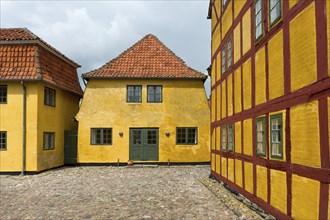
(148, 58)
(24, 56)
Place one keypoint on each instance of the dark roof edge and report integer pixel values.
(43, 45)
(46, 82)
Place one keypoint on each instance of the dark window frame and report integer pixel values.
(264, 141)
(272, 24)
(224, 137)
(102, 142)
(1, 141)
(224, 59)
(51, 145)
(272, 117)
(155, 94)
(3, 94)
(232, 142)
(258, 38)
(135, 97)
(186, 138)
(47, 96)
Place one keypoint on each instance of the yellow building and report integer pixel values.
(270, 103)
(39, 98)
(146, 105)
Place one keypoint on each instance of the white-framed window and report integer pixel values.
(261, 136)
(258, 19)
(274, 11)
(276, 134)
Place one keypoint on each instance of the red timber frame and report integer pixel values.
(320, 90)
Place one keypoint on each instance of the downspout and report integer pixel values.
(24, 128)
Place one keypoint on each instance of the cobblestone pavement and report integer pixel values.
(176, 192)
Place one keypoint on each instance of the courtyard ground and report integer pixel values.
(106, 192)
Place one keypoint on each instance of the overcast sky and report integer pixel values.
(94, 32)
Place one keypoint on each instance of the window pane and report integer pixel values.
(152, 137)
(137, 137)
(223, 60)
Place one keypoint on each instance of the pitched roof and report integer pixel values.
(148, 58)
(24, 56)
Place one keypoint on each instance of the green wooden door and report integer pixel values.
(70, 147)
(143, 144)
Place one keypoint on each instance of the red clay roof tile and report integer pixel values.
(32, 61)
(148, 58)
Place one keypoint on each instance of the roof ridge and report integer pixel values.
(117, 57)
(148, 58)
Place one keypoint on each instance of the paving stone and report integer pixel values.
(175, 192)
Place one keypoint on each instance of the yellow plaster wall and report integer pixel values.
(213, 162)
(223, 99)
(237, 43)
(238, 172)
(247, 137)
(226, 20)
(238, 5)
(292, 3)
(216, 39)
(262, 183)
(276, 69)
(11, 121)
(303, 49)
(66, 108)
(214, 18)
(213, 104)
(237, 90)
(238, 137)
(217, 4)
(248, 177)
(224, 167)
(231, 173)
(217, 164)
(217, 146)
(213, 139)
(218, 70)
(218, 102)
(213, 73)
(278, 192)
(246, 35)
(305, 198)
(305, 140)
(230, 95)
(247, 84)
(260, 77)
(104, 105)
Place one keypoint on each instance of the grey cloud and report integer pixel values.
(94, 32)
